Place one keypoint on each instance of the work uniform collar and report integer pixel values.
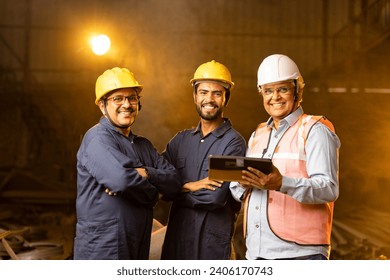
(289, 120)
(219, 131)
(104, 122)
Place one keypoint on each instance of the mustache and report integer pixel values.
(211, 104)
(130, 110)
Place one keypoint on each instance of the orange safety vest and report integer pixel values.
(305, 224)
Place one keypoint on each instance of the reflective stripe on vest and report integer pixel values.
(306, 224)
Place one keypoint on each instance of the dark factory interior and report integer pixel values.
(47, 85)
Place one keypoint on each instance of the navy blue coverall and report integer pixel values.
(201, 223)
(118, 227)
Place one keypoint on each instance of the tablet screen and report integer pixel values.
(228, 168)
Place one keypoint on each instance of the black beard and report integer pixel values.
(208, 117)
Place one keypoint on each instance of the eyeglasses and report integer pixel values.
(121, 99)
(281, 90)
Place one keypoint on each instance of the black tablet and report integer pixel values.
(228, 168)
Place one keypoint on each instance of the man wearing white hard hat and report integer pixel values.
(288, 213)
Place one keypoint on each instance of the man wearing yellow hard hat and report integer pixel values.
(119, 176)
(202, 217)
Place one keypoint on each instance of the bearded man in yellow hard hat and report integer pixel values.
(202, 217)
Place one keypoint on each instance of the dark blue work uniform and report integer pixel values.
(118, 227)
(201, 223)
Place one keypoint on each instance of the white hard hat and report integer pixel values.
(277, 68)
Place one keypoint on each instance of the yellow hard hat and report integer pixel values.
(115, 78)
(213, 71)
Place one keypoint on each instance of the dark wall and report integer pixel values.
(47, 76)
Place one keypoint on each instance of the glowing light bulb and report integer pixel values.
(100, 44)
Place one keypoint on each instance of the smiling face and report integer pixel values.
(122, 112)
(278, 99)
(210, 99)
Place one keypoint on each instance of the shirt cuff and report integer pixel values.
(238, 192)
(287, 183)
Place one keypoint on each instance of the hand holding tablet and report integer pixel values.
(228, 168)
